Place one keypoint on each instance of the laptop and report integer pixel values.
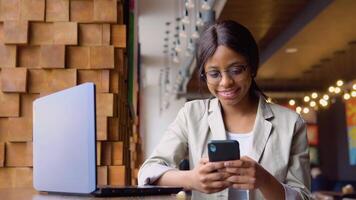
(64, 146)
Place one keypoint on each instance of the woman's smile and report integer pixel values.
(228, 94)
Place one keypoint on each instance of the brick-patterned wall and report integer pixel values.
(50, 45)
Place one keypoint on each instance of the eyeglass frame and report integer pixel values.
(227, 71)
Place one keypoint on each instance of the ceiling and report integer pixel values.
(319, 31)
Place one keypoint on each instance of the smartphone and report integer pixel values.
(223, 150)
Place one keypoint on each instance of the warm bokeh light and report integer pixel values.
(347, 96)
(340, 83)
(298, 109)
(354, 86)
(326, 97)
(292, 102)
(323, 102)
(314, 95)
(337, 90)
(312, 103)
(306, 110)
(331, 89)
(353, 93)
(306, 98)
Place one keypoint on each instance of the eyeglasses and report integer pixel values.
(214, 77)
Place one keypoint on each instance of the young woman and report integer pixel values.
(273, 143)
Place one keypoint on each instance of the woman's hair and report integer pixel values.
(233, 35)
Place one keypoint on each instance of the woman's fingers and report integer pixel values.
(242, 179)
(211, 167)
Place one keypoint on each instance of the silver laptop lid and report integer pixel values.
(64, 141)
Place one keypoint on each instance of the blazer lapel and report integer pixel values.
(262, 130)
(215, 120)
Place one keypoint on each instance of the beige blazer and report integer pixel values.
(279, 145)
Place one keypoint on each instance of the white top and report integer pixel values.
(245, 144)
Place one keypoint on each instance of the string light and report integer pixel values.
(306, 110)
(331, 89)
(354, 86)
(312, 104)
(353, 93)
(185, 19)
(292, 102)
(337, 90)
(314, 95)
(298, 109)
(189, 4)
(326, 97)
(205, 5)
(347, 96)
(306, 98)
(195, 34)
(339, 83)
(199, 21)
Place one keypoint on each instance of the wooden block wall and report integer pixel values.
(51, 45)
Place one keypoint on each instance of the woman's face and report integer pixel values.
(228, 76)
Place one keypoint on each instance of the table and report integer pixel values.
(28, 194)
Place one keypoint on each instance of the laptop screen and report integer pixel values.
(64, 157)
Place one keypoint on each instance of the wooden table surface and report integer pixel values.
(28, 194)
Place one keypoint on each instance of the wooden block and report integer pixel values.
(101, 128)
(90, 34)
(7, 56)
(1, 33)
(12, 102)
(98, 151)
(81, 11)
(102, 57)
(120, 13)
(19, 129)
(119, 62)
(52, 56)
(23, 177)
(26, 104)
(101, 79)
(105, 11)
(16, 177)
(65, 33)
(41, 33)
(118, 36)
(61, 79)
(114, 81)
(77, 57)
(113, 130)
(13, 79)
(18, 154)
(117, 153)
(2, 154)
(57, 10)
(105, 104)
(106, 153)
(117, 175)
(32, 10)
(29, 56)
(15, 32)
(37, 81)
(102, 172)
(9, 10)
(6, 178)
(3, 129)
(106, 34)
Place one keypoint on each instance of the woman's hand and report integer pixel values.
(247, 174)
(209, 177)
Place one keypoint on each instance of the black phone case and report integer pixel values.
(223, 150)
